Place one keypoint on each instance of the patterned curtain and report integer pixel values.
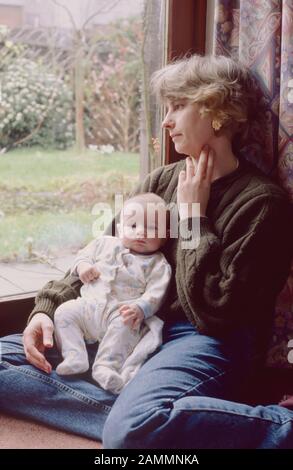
(259, 33)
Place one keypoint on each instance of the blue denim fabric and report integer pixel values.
(72, 403)
(178, 399)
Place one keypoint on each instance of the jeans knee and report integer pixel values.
(114, 435)
(118, 429)
(135, 429)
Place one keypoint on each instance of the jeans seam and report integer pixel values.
(61, 387)
(197, 386)
(235, 413)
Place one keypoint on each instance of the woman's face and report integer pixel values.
(188, 130)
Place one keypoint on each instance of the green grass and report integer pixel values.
(50, 233)
(42, 170)
(48, 197)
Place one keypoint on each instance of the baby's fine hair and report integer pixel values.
(149, 198)
(144, 198)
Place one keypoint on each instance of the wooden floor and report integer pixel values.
(19, 278)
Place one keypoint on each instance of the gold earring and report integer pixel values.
(216, 124)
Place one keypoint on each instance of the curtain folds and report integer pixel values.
(259, 33)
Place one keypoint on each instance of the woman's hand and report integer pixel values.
(132, 315)
(194, 184)
(87, 272)
(38, 336)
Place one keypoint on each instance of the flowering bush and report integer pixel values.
(36, 107)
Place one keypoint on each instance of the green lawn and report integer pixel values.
(47, 170)
(47, 197)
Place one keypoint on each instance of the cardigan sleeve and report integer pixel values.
(222, 281)
(55, 293)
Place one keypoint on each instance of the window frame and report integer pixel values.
(186, 34)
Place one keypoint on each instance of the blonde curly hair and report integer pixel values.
(223, 88)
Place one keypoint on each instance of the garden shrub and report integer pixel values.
(36, 107)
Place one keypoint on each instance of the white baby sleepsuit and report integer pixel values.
(126, 278)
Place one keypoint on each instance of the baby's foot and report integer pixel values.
(108, 379)
(69, 367)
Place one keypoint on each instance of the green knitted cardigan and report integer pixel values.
(231, 280)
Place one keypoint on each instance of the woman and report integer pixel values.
(219, 310)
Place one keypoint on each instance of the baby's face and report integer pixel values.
(143, 230)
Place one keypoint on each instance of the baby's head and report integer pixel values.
(144, 223)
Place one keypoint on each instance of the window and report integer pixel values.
(72, 129)
(183, 28)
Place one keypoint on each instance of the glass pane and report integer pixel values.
(77, 125)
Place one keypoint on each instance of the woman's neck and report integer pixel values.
(224, 166)
(225, 161)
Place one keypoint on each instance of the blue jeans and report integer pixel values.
(178, 399)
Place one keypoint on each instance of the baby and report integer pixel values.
(125, 280)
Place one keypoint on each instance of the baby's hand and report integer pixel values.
(87, 272)
(132, 315)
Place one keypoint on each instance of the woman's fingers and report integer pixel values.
(48, 335)
(40, 364)
(206, 164)
(38, 336)
(202, 163)
(36, 358)
(189, 168)
(181, 177)
(195, 187)
(210, 166)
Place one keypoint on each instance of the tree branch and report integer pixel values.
(70, 15)
(100, 11)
